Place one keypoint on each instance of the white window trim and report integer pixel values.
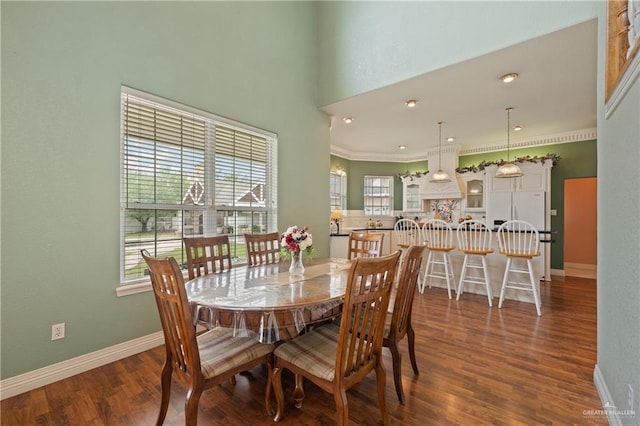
(143, 285)
(390, 196)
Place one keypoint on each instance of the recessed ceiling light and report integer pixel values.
(508, 78)
(451, 139)
(348, 120)
(517, 128)
(411, 103)
(402, 146)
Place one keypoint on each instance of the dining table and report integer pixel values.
(267, 300)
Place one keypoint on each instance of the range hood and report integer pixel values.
(448, 163)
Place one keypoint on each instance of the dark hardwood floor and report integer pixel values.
(478, 365)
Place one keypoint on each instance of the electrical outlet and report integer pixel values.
(630, 397)
(57, 331)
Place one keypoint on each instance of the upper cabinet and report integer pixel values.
(536, 177)
(411, 196)
(474, 191)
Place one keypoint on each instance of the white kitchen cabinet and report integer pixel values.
(536, 177)
(474, 192)
(338, 246)
(411, 201)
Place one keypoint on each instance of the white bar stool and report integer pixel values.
(519, 240)
(406, 233)
(438, 237)
(474, 240)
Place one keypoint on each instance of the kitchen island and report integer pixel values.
(496, 263)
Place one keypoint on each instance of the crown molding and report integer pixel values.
(559, 138)
(372, 156)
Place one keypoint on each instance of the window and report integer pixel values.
(338, 190)
(378, 195)
(189, 173)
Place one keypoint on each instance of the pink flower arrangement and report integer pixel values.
(296, 240)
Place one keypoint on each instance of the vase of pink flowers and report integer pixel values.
(296, 241)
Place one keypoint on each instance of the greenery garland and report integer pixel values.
(554, 158)
(410, 175)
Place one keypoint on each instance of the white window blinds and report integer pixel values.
(189, 173)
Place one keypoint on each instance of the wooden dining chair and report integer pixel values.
(203, 361)
(262, 249)
(336, 357)
(364, 244)
(207, 255)
(398, 321)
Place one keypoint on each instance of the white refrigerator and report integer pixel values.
(519, 205)
(529, 206)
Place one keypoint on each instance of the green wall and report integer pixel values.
(357, 170)
(63, 64)
(578, 159)
(365, 45)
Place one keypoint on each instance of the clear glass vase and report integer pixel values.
(297, 268)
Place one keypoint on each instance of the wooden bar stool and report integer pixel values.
(519, 241)
(474, 240)
(438, 237)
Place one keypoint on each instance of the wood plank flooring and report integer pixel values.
(478, 365)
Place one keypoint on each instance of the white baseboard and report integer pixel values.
(609, 407)
(52, 373)
(557, 272)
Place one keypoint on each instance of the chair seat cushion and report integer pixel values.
(220, 351)
(314, 351)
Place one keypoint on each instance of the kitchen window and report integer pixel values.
(378, 195)
(338, 190)
(186, 172)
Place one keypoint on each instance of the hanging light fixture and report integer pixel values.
(440, 176)
(508, 169)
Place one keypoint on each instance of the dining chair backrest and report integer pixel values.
(406, 232)
(207, 255)
(365, 244)
(399, 324)
(175, 314)
(474, 237)
(364, 311)
(438, 235)
(198, 361)
(518, 238)
(407, 282)
(262, 249)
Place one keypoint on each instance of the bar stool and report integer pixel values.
(474, 240)
(406, 233)
(519, 240)
(438, 237)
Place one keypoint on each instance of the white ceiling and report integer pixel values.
(555, 94)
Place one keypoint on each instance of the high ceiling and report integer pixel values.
(555, 94)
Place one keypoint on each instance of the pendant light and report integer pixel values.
(508, 169)
(440, 176)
